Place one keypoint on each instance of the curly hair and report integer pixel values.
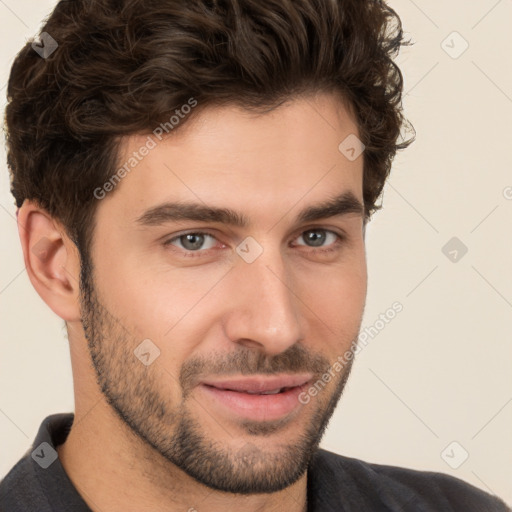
(123, 66)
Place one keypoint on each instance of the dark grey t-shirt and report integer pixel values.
(38, 483)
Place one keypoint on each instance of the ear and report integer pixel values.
(51, 259)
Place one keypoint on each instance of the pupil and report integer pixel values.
(317, 239)
(190, 238)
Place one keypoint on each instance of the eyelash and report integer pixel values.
(200, 252)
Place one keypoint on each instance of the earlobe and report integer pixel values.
(51, 259)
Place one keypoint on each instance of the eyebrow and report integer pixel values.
(345, 204)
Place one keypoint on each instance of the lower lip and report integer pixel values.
(257, 407)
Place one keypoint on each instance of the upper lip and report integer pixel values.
(255, 384)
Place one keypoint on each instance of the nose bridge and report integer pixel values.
(265, 308)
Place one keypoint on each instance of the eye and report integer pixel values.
(317, 237)
(192, 241)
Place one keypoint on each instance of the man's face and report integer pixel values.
(234, 327)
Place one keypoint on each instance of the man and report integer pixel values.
(193, 181)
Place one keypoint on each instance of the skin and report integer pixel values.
(212, 315)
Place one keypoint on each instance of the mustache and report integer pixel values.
(245, 361)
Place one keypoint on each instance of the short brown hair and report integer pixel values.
(123, 66)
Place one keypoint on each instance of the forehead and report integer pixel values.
(230, 155)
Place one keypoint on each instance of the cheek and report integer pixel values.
(334, 301)
(166, 306)
(341, 302)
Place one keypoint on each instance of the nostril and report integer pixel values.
(250, 344)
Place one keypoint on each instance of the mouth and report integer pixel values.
(257, 398)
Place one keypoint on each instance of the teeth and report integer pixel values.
(272, 392)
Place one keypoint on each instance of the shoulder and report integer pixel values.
(398, 487)
(37, 487)
(20, 489)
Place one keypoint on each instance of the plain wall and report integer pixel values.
(440, 371)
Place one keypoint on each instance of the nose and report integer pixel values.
(264, 310)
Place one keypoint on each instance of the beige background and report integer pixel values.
(440, 371)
